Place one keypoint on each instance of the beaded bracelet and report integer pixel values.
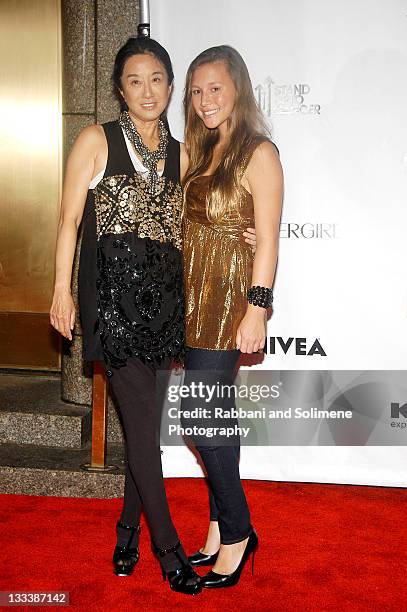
(260, 296)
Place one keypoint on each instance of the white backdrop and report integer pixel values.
(331, 80)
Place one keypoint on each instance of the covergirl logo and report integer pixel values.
(308, 230)
(274, 99)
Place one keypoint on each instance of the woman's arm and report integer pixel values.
(89, 152)
(265, 179)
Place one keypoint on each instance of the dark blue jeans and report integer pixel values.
(227, 500)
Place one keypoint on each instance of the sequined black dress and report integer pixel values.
(130, 270)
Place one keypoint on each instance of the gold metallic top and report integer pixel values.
(124, 204)
(218, 266)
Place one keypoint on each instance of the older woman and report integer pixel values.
(123, 178)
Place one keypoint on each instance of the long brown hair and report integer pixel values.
(246, 128)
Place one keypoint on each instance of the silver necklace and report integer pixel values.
(150, 158)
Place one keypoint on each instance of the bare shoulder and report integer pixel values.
(265, 157)
(264, 171)
(89, 148)
(92, 136)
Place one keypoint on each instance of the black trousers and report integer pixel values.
(134, 390)
(227, 500)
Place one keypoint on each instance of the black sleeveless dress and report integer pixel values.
(130, 271)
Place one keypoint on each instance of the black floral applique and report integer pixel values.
(140, 300)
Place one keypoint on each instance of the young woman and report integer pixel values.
(130, 282)
(234, 180)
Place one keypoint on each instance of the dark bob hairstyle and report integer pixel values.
(139, 46)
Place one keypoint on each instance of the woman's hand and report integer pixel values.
(250, 237)
(251, 334)
(62, 313)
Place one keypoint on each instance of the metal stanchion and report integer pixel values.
(143, 28)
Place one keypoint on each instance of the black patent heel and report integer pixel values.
(183, 579)
(212, 580)
(201, 559)
(126, 557)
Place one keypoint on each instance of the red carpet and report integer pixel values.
(322, 547)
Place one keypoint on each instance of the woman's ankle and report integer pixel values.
(127, 535)
(172, 561)
(212, 539)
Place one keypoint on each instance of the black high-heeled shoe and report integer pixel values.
(201, 559)
(126, 557)
(212, 580)
(183, 579)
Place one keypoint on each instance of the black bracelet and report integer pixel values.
(260, 296)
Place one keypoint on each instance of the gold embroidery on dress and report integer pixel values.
(125, 204)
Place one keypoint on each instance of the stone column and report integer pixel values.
(79, 111)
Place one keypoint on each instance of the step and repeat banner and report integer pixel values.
(330, 80)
